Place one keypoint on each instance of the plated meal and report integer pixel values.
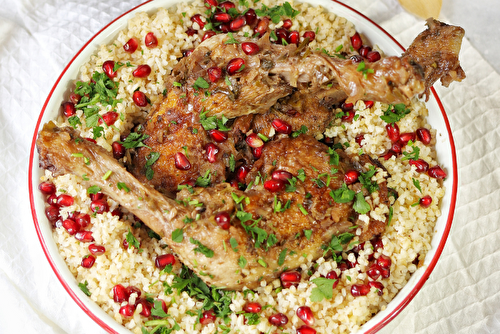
(250, 167)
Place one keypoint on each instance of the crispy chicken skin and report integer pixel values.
(57, 148)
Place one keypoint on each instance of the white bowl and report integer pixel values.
(437, 119)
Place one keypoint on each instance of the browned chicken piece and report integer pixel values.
(299, 109)
(233, 258)
(436, 51)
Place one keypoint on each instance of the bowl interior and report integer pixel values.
(437, 118)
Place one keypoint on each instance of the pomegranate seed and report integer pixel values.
(421, 165)
(250, 48)
(254, 141)
(360, 290)
(374, 271)
(349, 117)
(52, 212)
(181, 162)
(309, 34)
(426, 201)
(359, 138)
(131, 45)
(347, 106)
(91, 140)
(424, 135)
(378, 286)
(75, 98)
(140, 99)
(281, 175)
(343, 266)
(397, 147)
(274, 185)
(52, 199)
(191, 32)
(369, 104)
(389, 155)
(252, 307)
(392, 132)
(251, 17)
(224, 27)
(226, 6)
(373, 56)
(281, 126)
(289, 278)
(107, 68)
(187, 53)
(436, 172)
(294, 37)
(384, 262)
(211, 151)
(127, 310)
(120, 294)
(217, 135)
(208, 317)
(278, 319)
(351, 176)
(356, 59)
(385, 273)
(97, 249)
(363, 51)
(214, 73)
(208, 34)
(197, 19)
(242, 173)
(234, 184)
(237, 23)
(146, 307)
(65, 200)
(191, 183)
(333, 275)
(88, 261)
(109, 118)
(406, 137)
(377, 244)
(305, 314)
(356, 41)
(262, 26)
(142, 71)
(84, 236)
(164, 260)
(68, 109)
(210, 3)
(71, 226)
(222, 219)
(47, 188)
(304, 329)
(282, 35)
(164, 306)
(96, 196)
(257, 152)
(235, 65)
(117, 212)
(150, 40)
(287, 24)
(222, 17)
(132, 289)
(118, 150)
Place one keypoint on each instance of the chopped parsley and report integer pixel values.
(323, 289)
(242, 262)
(414, 155)
(74, 121)
(366, 180)
(282, 257)
(201, 248)
(362, 68)
(334, 156)
(150, 160)
(395, 113)
(178, 235)
(122, 186)
(234, 244)
(342, 194)
(134, 140)
(201, 83)
(416, 183)
(93, 190)
(204, 180)
(132, 241)
(336, 243)
(84, 288)
(360, 205)
(259, 235)
(231, 39)
(308, 234)
(232, 163)
(276, 12)
(303, 130)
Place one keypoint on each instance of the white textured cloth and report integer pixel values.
(39, 37)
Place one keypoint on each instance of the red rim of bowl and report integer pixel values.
(377, 326)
